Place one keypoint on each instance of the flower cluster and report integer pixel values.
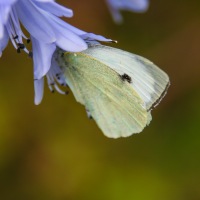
(41, 18)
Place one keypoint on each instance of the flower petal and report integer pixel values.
(4, 41)
(56, 9)
(132, 5)
(92, 36)
(135, 5)
(45, 0)
(47, 27)
(5, 7)
(65, 27)
(68, 41)
(116, 15)
(7, 2)
(42, 55)
(35, 21)
(39, 90)
(65, 38)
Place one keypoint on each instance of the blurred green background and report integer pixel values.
(53, 152)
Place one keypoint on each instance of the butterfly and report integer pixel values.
(118, 89)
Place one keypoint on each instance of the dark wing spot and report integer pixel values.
(126, 77)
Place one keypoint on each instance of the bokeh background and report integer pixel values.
(53, 152)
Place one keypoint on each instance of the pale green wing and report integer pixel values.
(113, 103)
(149, 81)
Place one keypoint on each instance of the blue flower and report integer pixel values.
(132, 5)
(47, 32)
(55, 75)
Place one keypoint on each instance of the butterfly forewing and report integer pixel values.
(149, 81)
(111, 101)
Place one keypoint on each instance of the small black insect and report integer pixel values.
(126, 77)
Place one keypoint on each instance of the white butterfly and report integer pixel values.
(118, 88)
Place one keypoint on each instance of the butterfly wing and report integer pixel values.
(149, 81)
(112, 102)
